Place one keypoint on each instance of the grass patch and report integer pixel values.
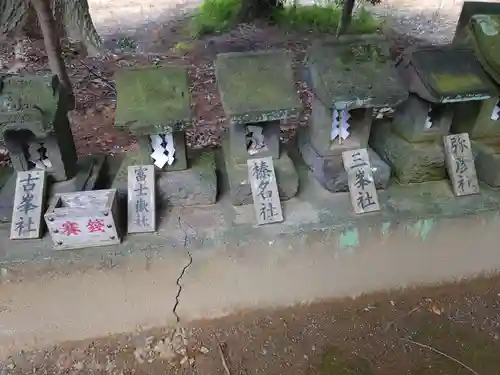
(324, 19)
(217, 16)
(214, 16)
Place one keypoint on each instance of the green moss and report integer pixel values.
(334, 362)
(324, 19)
(152, 97)
(216, 16)
(457, 83)
(256, 82)
(363, 52)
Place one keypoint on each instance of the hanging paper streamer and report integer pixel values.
(428, 119)
(163, 149)
(340, 124)
(495, 115)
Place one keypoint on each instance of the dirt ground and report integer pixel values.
(447, 330)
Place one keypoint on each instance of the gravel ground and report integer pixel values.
(447, 330)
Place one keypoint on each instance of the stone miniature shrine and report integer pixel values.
(349, 77)
(258, 93)
(154, 105)
(481, 120)
(412, 144)
(35, 129)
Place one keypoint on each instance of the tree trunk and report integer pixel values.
(346, 17)
(257, 9)
(53, 46)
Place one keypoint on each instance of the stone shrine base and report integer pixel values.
(240, 191)
(487, 161)
(90, 170)
(330, 172)
(423, 234)
(196, 185)
(410, 162)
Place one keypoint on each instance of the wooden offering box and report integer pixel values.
(83, 219)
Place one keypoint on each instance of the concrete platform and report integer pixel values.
(422, 235)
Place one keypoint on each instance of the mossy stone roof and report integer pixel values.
(452, 74)
(29, 101)
(153, 100)
(257, 86)
(354, 72)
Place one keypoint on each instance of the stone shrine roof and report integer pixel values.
(257, 86)
(153, 100)
(29, 102)
(354, 72)
(446, 74)
(484, 35)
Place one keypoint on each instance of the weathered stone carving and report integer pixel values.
(153, 103)
(35, 129)
(257, 93)
(341, 74)
(479, 31)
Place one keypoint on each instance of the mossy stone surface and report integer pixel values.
(29, 102)
(487, 161)
(330, 171)
(354, 72)
(451, 74)
(194, 186)
(153, 100)
(486, 30)
(410, 162)
(475, 119)
(257, 86)
(287, 178)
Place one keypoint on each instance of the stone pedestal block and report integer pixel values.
(480, 119)
(240, 190)
(330, 171)
(240, 135)
(487, 161)
(410, 162)
(194, 186)
(89, 171)
(418, 120)
(321, 128)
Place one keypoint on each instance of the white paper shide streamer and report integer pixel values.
(495, 115)
(340, 124)
(163, 149)
(428, 120)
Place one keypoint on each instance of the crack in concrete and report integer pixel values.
(183, 271)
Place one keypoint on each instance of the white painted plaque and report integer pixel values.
(460, 164)
(141, 199)
(362, 188)
(83, 219)
(266, 200)
(28, 205)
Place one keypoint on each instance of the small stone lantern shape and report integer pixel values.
(350, 77)
(153, 103)
(34, 126)
(413, 143)
(258, 93)
(481, 119)
(35, 129)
